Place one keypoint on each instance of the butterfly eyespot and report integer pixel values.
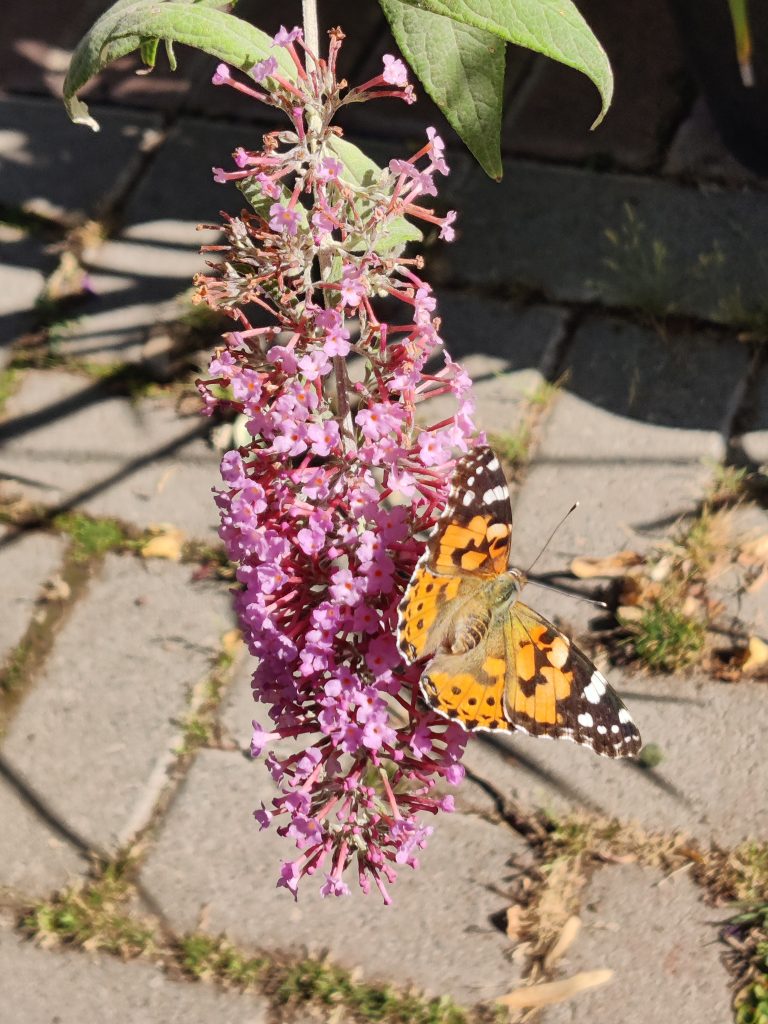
(472, 701)
(490, 701)
(429, 587)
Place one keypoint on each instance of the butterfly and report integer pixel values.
(495, 663)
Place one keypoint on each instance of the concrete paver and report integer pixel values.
(712, 781)
(24, 265)
(67, 440)
(625, 241)
(96, 734)
(659, 938)
(37, 859)
(437, 934)
(51, 166)
(71, 988)
(698, 152)
(138, 274)
(26, 562)
(552, 113)
(633, 437)
(506, 351)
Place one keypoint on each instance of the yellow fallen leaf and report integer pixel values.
(554, 991)
(231, 641)
(610, 565)
(165, 545)
(757, 654)
(570, 930)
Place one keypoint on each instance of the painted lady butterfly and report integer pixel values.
(494, 662)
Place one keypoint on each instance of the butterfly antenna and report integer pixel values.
(567, 593)
(573, 508)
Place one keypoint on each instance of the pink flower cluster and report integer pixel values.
(320, 509)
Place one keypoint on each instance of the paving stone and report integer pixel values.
(697, 151)
(37, 859)
(505, 350)
(712, 782)
(634, 438)
(37, 43)
(138, 275)
(67, 440)
(660, 940)
(69, 988)
(437, 935)
(24, 265)
(754, 442)
(552, 114)
(26, 562)
(628, 241)
(54, 167)
(112, 692)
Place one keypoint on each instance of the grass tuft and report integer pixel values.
(665, 638)
(210, 959)
(92, 538)
(91, 916)
(513, 448)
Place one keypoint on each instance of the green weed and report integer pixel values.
(665, 638)
(91, 538)
(9, 381)
(215, 959)
(513, 448)
(314, 981)
(91, 916)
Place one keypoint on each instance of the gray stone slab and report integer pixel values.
(54, 167)
(623, 240)
(36, 859)
(112, 693)
(633, 438)
(505, 350)
(712, 782)
(65, 439)
(26, 561)
(437, 934)
(661, 941)
(754, 441)
(138, 274)
(697, 151)
(550, 116)
(71, 988)
(24, 264)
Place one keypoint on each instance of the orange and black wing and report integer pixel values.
(553, 689)
(468, 544)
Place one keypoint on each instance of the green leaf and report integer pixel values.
(462, 69)
(552, 27)
(139, 24)
(360, 170)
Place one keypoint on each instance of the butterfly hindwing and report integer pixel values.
(553, 689)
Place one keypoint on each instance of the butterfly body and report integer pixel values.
(495, 663)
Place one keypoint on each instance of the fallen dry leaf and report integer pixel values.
(550, 992)
(231, 641)
(610, 565)
(56, 589)
(514, 922)
(165, 545)
(757, 654)
(754, 552)
(571, 929)
(629, 613)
